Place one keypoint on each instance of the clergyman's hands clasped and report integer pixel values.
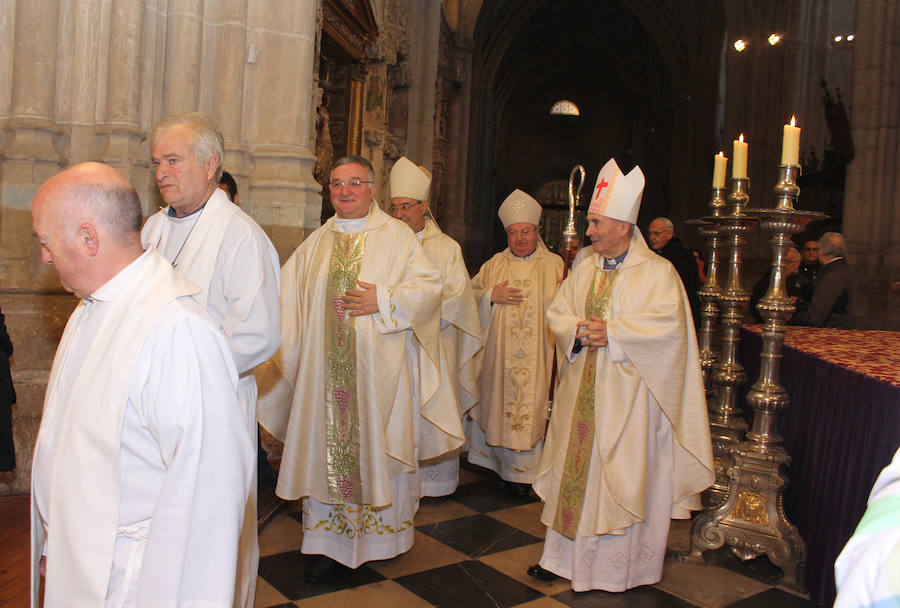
(592, 333)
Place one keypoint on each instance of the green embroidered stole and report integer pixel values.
(573, 486)
(341, 407)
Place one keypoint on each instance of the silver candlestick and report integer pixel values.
(726, 424)
(710, 292)
(751, 519)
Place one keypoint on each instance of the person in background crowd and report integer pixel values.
(664, 242)
(794, 283)
(227, 183)
(834, 292)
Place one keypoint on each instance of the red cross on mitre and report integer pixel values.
(602, 192)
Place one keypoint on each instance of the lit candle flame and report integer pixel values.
(741, 138)
(793, 122)
(720, 153)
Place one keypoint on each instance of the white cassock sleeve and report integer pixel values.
(188, 403)
(252, 321)
(391, 318)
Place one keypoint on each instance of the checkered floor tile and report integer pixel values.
(472, 550)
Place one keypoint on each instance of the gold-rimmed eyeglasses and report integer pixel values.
(353, 183)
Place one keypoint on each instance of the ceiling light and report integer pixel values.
(774, 39)
(740, 45)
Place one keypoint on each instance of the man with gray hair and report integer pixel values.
(219, 248)
(662, 240)
(795, 284)
(834, 293)
(143, 462)
(628, 446)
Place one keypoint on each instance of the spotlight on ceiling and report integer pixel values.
(850, 37)
(740, 45)
(774, 39)
(838, 38)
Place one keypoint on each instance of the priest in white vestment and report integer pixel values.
(460, 326)
(219, 248)
(513, 290)
(352, 387)
(143, 463)
(628, 446)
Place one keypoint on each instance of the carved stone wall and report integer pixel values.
(398, 111)
(86, 80)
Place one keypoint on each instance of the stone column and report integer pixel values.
(872, 192)
(425, 28)
(86, 79)
(279, 119)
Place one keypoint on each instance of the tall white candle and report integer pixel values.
(739, 160)
(790, 145)
(719, 172)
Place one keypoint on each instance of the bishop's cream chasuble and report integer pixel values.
(354, 397)
(628, 445)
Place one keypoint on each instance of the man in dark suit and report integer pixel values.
(664, 242)
(834, 293)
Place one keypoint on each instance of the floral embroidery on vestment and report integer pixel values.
(341, 408)
(573, 486)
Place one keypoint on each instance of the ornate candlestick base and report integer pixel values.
(752, 519)
(726, 424)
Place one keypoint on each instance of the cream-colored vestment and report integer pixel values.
(650, 453)
(509, 422)
(460, 347)
(351, 421)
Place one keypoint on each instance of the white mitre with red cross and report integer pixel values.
(616, 195)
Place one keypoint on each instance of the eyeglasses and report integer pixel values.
(404, 206)
(353, 183)
(514, 234)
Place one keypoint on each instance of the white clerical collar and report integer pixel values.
(350, 225)
(108, 291)
(613, 263)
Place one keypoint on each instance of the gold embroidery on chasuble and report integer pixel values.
(355, 520)
(341, 406)
(521, 347)
(573, 487)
